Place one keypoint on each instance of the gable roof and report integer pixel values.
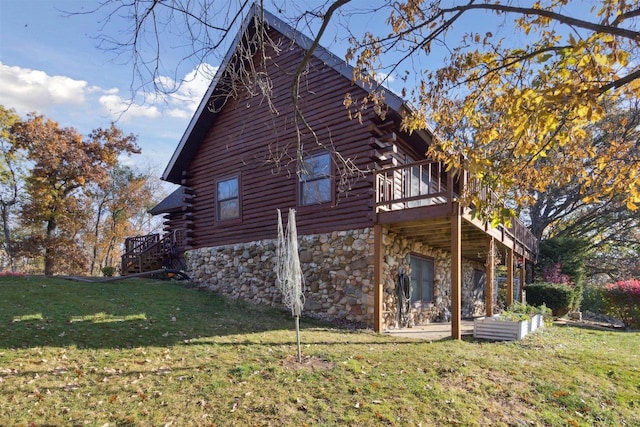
(203, 117)
(172, 203)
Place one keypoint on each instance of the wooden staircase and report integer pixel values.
(151, 252)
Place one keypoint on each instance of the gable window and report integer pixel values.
(315, 180)
(228, 198)
(421, 279)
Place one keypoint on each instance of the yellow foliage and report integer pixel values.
(530, 109)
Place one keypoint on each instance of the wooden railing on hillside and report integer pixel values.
(150, 252)
(426, 183)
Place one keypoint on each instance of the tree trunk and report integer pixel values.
(96, 234)
(49, 250)
(8, 243)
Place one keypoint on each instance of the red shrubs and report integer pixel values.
(622, 300)
(8, 273)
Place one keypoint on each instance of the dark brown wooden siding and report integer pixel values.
(245, 132)
(174, 221)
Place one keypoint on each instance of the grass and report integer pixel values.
(143, 352)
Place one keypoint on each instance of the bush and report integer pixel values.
(558, 297)
(622, 301)
(9, 273)
(108, 271)
(592, 299)
(523, 311)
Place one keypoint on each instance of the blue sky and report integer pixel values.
(50, 63)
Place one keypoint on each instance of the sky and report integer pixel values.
(50, 63)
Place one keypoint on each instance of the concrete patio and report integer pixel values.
(432, 331)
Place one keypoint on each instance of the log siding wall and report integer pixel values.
(246, 131)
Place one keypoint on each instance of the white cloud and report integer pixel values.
(180, 101)
(158, 120)
(121, 109)
(186, 96)
(29, 90)
(384, 78)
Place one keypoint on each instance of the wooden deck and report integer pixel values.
(418, 199)
(152, 252)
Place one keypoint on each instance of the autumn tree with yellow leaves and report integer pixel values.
(62, 164)
(515, 111)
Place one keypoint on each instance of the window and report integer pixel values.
(479, 281)
(228, 198)
(315, 181)
(421, 279)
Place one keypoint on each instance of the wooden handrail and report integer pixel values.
(158, 247)
(396, 189)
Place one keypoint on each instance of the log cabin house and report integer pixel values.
(363, 240)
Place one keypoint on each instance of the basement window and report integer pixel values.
(421, 279)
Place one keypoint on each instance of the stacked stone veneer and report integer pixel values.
(398, 252)
(338, 269)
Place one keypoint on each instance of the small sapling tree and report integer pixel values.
(289, 277)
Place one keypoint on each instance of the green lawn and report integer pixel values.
(143, 352)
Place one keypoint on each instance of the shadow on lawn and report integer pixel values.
(127, 314)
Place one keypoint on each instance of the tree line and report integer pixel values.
(67, 202)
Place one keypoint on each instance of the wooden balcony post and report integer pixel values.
(489, 278)
(378, 293)
(450, 191)
(523, 278)
(456, 271)
(509, 277)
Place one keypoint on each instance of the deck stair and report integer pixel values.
(152, 252)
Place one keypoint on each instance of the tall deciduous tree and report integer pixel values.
(63, 163)
(574, 210)
(114, 211)
(10, 172)
(515, 112)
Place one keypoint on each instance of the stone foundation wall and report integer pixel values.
(397, 251)
(338, 270)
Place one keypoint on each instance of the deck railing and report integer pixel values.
(413, 185)
(426, 183)
(144, 250)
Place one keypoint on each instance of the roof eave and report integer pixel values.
(183, 152)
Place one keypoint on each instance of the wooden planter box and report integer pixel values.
(492, 328)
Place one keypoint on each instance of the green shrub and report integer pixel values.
(523, 311)
(561, 260)
(558, 297)
(622, 301)
(529, 309)
(108, 270)
(592, 299)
